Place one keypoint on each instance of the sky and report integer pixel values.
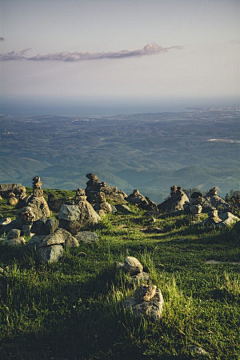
(119, 50)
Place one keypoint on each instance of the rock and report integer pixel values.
(176, 201)
(14, 242)
(140, 278)
(87, 237)
(54, 204)
(132, 265)
(228, 219)
(136, 198)
(14, 234)
(12, 201)
(60, 237)
(102, 205)
(44, 226)
(213, 219)
(69, 212)
(35, 241)
(198, 352)
(15, 224)
(78, 216)
(6, 189)
(195, 209)
(124, 209)
(51, 254)
(213, 201)
(5, 221)
(37, 202)
(151, 308)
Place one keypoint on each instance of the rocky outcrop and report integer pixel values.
(37, 202)
(176, 201)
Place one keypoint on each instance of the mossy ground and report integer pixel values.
(73, 309)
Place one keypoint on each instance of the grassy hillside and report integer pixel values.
(73, 309)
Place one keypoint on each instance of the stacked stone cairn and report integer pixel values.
(176, 200)
(213, 201)
(12, 199)
(94, 187)
(37, 202)
(54, 203)
(79, 215)
(194, 207)
(147, 300)
(222, 219)
(13, 238)
(101, 206)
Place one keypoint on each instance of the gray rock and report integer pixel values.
(198, 352)
(14, 242)
(39, 207)
(51, 254)
(140, 278)
(88, 237)
(14, 234)
(35, 241)
(132, 265)
(228, 218)
(60, 237)
(44, 226)
(125, 209)
(69, 212)
(151, 308)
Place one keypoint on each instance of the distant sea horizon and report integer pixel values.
(106, 107)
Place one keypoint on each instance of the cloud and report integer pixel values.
(234, 42)
(150, 49)
(2, 38)
(13, 55)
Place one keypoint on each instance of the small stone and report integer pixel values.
(132, 265)
(14, 234)
(51, 254)
(88, 237)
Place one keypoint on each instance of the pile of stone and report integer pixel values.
(94, 187)
(6, 189)
(147, 300)
(54, 204)
(194, 207)
(78, 216)
(51, 247)
(220, 219)
(134, 269)
(13, 238)
(102, 207)
(37, 202)
(176, 200)
(213, 201)
(136, 198)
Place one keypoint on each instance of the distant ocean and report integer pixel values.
(67, 107)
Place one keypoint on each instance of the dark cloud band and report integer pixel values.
(150, 49)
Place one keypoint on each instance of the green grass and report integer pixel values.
(73, 309)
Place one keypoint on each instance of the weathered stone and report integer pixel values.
(5, 221)
(132, 265)
(12, 201)
(51, 254)
(101, 206)
(39, 206)
(196, 209)
(198, 352)
(150, 309)
(140, 278)
(60, 236)
(15, 224)
(14, 234)
(176, 201)
(69, 213)
(44, 226)
(88, 237)
(54, 204)
(145, 292)
(137, 199)
(228, 219)
(35, 241)
(14, 242)
(124, 209)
